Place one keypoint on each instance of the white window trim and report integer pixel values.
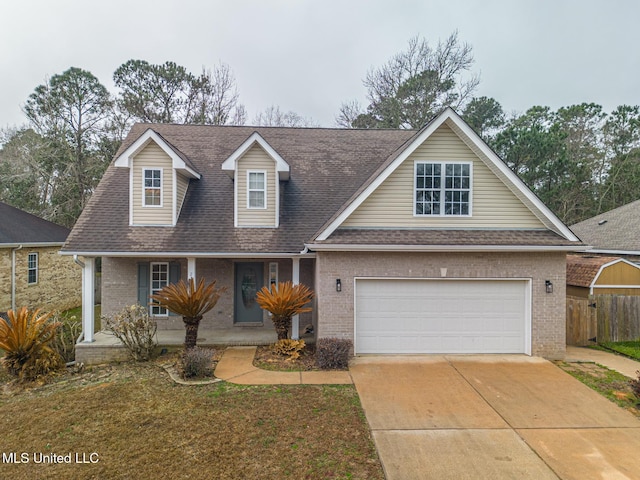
(36, 268)
(264, 191)
(443, 164)
(152, 291)
(148, 169)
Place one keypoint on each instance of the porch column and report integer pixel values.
(88, 298)
(191, 268)
(295, 278)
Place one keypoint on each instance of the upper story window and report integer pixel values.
(152, 178)
(256, 189)
(442, 189)
(32, 268)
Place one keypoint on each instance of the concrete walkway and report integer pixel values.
(623, 365)
(236, 366)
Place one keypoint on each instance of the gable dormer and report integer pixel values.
(159, 177)
(257, 170)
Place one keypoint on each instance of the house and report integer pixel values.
(32, 273)
(616, 232)
(601, 275)
(414, 241)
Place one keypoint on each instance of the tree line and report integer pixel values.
(579, 159)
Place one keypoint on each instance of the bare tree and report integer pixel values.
(274, 117)
(215, 98)
(415, 85)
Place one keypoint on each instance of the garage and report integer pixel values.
(404, 316)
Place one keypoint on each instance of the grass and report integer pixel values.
(141, 425)
(630, 348)
(77, 313)
(609, 383)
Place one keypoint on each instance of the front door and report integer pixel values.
(249, 279)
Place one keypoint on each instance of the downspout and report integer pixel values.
(81, 263)
(13, 276)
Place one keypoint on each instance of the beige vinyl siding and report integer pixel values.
(152, 157)
(182, 185)
(256, 159)
(493, 205)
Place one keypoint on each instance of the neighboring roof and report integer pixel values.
(329, 168)
(616, 231)
(582, 271)
(19, 227)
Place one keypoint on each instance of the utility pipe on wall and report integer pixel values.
(13, 276)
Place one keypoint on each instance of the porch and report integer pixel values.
(107, 348)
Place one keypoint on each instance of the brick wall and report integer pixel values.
(335, 309)
(119, 287)
(59, 285)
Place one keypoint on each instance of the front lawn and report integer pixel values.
(139, 424)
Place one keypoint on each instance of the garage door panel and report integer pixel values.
(431, 316)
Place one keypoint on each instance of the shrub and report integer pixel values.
(197, 362)
(635, 385)
(136, 330)
(283, 302)
(288, 347)
(25, 337)
(190, 301)
(66, 336)
(333, 352)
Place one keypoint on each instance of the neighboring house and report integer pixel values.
(32, 272)
(616, 232)
(414, 241)
(601, 275)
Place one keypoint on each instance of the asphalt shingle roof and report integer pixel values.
(617, 229)
(18, 226)
(328, 166)
(529, 238)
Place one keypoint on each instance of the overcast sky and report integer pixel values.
(310, 56)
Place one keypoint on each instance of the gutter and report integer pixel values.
(13, 276)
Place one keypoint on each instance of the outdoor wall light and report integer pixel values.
(338, 285)
(548, 286)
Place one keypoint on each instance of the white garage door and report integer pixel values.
(442, 316)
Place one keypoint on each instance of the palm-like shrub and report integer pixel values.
(283, 302)
(191, 302)
(25, 337)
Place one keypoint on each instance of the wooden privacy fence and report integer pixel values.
(608, 318)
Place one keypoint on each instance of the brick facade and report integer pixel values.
(335, 310)
(59, 281)
(119, 287)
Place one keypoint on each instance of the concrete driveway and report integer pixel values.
(492, 417)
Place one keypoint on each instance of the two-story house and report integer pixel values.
(414, 241)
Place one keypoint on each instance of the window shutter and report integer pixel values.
(144, 288)
(174, 277)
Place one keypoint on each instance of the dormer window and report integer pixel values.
(152, 178)
(256, 189)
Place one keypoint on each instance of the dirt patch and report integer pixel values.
(140, 424)
(609, 383)
(267, 359)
